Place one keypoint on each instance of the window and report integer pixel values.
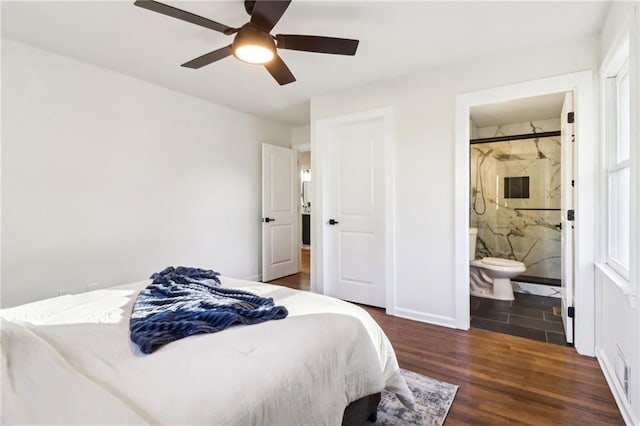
(618, 170)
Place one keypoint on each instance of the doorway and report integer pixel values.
(581, 85)
(306, 183)
(521, 157)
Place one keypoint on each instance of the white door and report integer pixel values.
(568, 190)
(280, 255)
(354, 218)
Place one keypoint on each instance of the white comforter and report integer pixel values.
(69, 360)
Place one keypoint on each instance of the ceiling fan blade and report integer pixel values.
(208, 58)
(267, 13)
(318, 44)
(280, 71)
(174, 12)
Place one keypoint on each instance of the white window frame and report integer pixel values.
(614, 165)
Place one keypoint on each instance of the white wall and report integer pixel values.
(106, 178)
(473, 129)
(300, 135)
(618, 317)
(424, 109)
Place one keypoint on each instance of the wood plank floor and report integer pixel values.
(503, 379)
(305, 260)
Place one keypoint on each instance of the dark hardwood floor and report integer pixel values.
(503, 379)
(299, 281)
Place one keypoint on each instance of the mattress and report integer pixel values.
(69, 360)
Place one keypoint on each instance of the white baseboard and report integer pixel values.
(618, 394)
(254, 278)
(422, 317)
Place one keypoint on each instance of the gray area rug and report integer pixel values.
(433, 400)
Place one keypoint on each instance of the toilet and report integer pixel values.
(491, 276)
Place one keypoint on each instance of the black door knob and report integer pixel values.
(268, 219)
(333, 222)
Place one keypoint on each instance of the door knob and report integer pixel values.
(268, 219)
(333, 222)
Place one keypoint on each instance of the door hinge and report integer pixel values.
(571, 117)
(571, 215)
(573, 182)
(571, 312)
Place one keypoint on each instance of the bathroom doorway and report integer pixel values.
(521, 163)
(585, 159)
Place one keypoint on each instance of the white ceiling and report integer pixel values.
(518, 110)
(396, 38)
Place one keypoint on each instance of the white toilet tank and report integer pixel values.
(473, 235)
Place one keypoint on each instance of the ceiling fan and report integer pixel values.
(253, 42)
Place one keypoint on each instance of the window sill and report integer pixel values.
(621, 282)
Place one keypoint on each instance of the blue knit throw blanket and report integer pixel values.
(182, 301)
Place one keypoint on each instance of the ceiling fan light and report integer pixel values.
(254, 54)
(253, 45)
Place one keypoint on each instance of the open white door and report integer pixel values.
(280, 255)
(567, 234)
(355, 212)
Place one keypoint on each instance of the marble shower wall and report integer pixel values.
(510, 228)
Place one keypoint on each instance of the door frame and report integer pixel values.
(319, 232)
(582, 85)
(567, 239)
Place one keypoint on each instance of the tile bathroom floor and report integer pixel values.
(527, 316)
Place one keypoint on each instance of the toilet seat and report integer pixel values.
(500, 265)
(496, 261)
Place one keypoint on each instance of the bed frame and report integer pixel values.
(359, 411)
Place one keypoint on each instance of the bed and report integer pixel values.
(69, 360)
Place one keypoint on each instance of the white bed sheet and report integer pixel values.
(304, 369)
